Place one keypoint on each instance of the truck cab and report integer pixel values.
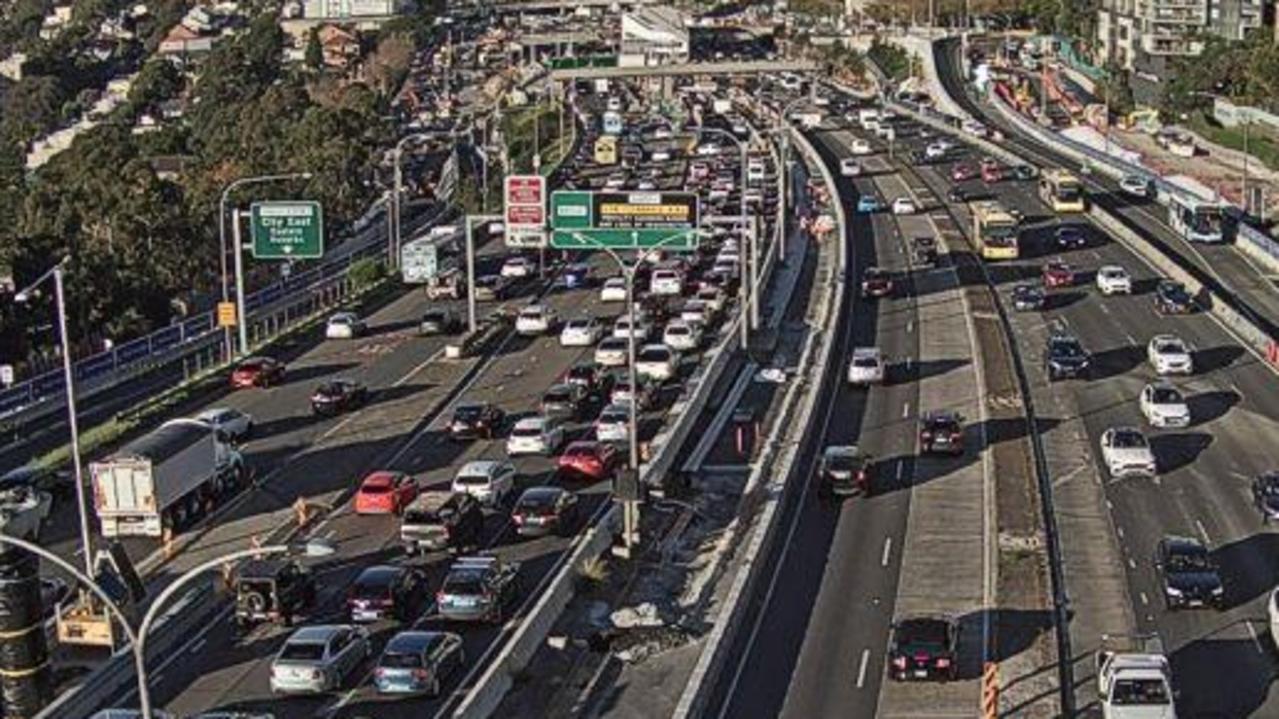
(1134, 679)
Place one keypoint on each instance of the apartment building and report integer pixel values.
(1147, 37)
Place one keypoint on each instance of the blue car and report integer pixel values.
(417, 662)
(866, 203)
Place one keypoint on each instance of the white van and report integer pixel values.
(868, 118)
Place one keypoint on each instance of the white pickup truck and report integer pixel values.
(1134, 680)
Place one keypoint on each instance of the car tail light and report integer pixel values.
(899, 662)
(517, 518)
(440, 596)
(379, 672)
(926, 435)
(421, 674)
(943, 662)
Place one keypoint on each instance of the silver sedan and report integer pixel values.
(317, 659)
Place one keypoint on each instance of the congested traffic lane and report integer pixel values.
(514, 380)
(1203, 488)
(833, 592)
(384, 359)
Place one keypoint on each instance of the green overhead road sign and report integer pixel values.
(623, 220)
(287, 230)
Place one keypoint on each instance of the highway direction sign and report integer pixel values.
(623, 220)
(287, 230)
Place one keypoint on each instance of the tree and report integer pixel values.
(314, 58)
(157, 81)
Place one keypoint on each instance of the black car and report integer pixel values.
(338, 396)
(942, 432)
(876, 283)
(1065, 357)
(1190, 575)
(1265, 495)
(543, 510)
(843, 471)
(59, 484)
(1070, 237)
(440, 322)
(272, 590)
(1171, 298)
(1024, 172)
(923, 251)
(476, 419)
(436, 520)
(596, 381)
(385, 591)
(957, 195)
(923, 648)
(564, 401)
(1028, 297)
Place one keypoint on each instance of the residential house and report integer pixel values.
(182, 40)
(340, 47)
(11, 67)
(53, 23)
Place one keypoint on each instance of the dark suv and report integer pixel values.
(385, 592)
(1171, 298)
(923, 648)
(435, 520)
(476, 419)
(942, 432)
(272, 590)
(1190, 576)
(1064, 357)
(843, 471)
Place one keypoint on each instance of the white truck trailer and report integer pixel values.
(165, 479)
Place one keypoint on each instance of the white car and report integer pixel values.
(343, 326)
(660, 156)
(707, 149)
(728, 268)
(666, 282)
(614, 423)
(229, 421)
(904, 206)
(622, 328)
(1168, 354)
(1113, 279)
(885, 132)
(662, 133)
(656, 362)
(518, 267)
(1126, 453)
(615, 181)
(1136, 185)
(614, 290)
(611, 352)
(866, 366)
(972, 127)
(1164, 406)
(535, 320)
(937, 150)
(695, 312)
(534, 435)
(682, 336)
(581, 332)
(713, 297)
(487, 480)
(849, 167)
(860, 147)
(646, 185)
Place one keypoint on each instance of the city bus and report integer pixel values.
(1062, 191)
(1196, 220)
(606, 150)
(995, 231)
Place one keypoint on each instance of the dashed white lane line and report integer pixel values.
(1203, 532)
(1144, 599)
(861, 671)
(910, 326)
(1120, 531)
(195, 648)
(1131, 563)
(906, 410)
(888, 548)
(1255, 639)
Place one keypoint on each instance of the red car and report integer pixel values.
(1058, 274)
(876, 283)
(257, 372)
(385, 493)
(592, 460)
(990, 171)
(959, 173)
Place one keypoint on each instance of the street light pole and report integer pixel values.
(226, 192)
(241, 326)
(68, 378)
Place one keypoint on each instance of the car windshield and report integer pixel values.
(537, 500)
(375, 488)
(377, 588)
(1130, 440)
(1165, 395)
(528, 430)
(925, 634)
(942, 422)
(1189, 559)
(401, 660)
(577, 324)
(472, 477)
(613, 343)
(1138, 692)
(433, 317)
(330, 389)
(533, 313)
(655, 355)
(1175, 291)
(468, 412)
(558, 396)
(580, 450)
(867, 362)
(464, 583)
(841, 461)
(1067, 348)
(303, 651)
(1170, 347)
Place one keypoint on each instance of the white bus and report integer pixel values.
(1196, 220)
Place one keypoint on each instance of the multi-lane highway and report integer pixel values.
(1205, 470)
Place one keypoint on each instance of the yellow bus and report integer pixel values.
(606, 150)
(995, 231)
(1062, 191)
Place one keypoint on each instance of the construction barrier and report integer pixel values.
(990, 691)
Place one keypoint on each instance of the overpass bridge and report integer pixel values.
(562, 5)
(745, 67)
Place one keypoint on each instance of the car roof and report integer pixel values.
(380, 573)
(543, 492)
(381, 476)
(427, 501)
(866, 352)
(841, 450)
(480, 466)
(534, 421)
(1183, 544)
(261, 568)
(414, 641)
(316, 633)
(924, 625)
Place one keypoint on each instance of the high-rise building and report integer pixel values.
(1146, 37)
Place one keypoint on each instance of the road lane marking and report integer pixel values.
(888, 547)
(861, 671)
(901, 468)
(1131, 563)
(195, 648)
(1144, 599)
(910, 327)
(906, 410)
(1120, 531)
(1203, 532)
(1255, 639)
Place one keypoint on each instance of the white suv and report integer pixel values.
(487, 480)
(535, 320)
(1113, 279)
(866, 367)
(534, 435)
(666, 282)
(1168, 354)
(581, 332)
